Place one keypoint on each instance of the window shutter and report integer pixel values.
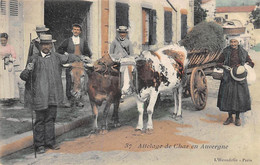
(3, 7)
(152, 32)
(183, 25)
(168, 26)
(122, 16)
(13, 7)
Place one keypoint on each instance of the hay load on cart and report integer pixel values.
(204, 44)
(204, 36)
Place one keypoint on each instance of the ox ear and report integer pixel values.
(67, 65)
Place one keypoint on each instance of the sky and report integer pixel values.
(236, 2)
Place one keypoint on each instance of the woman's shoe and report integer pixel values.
(237, 122)
(228, 121)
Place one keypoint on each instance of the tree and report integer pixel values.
(200, 14)
(255, 17)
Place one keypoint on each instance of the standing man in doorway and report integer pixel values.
(78, 46)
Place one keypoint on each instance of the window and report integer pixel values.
(149, 26)
(168, 26)
(122, 17)
(226, 16)
(183, 25)
(3, 7)
(13, 7)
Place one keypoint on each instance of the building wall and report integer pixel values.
(211, 7)
(241, 16)
(135, 23)
(135, 20)
(33, 14)
(256, 36)
(95, 28)
(4, 17)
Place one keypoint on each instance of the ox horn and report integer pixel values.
(88, 66)
(67, 65)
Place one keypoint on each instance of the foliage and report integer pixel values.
(255, 18)
(200, 14)
(257, 48)
(205, 35)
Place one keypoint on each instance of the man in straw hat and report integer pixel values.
(44, 91)
(34, 45)
(233, 96)
(78, 46)
(121, 49)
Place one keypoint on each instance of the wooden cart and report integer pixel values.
(201, 64)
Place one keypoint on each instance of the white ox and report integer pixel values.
(159, 71)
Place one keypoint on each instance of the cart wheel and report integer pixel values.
(198, 88)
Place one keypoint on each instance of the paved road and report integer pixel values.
(199, 138)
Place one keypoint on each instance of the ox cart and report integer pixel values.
(201, 64)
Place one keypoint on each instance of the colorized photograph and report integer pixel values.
(123, 82)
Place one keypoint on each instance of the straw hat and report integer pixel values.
(122, 29)
(41, 28)
(45, 38)
(238, 73)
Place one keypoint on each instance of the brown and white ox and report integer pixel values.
(159, 71)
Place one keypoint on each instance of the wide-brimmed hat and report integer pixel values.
(45, 38)
(122, 29)
(41, 28)
(238, 73)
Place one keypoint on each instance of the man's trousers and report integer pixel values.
(44, 129)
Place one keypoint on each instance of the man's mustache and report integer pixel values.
(45, 49)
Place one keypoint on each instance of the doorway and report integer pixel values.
(60, 15)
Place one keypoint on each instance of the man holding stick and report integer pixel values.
(44, 91)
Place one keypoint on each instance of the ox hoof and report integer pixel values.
(95, 131)
(91, 135)
(138, 129)
(104, 131)
(179, 117)
(104, 127)
(174, 115)
(139, 132)
(149, 131)
(117, 125)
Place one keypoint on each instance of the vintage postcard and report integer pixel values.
(118, 82)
